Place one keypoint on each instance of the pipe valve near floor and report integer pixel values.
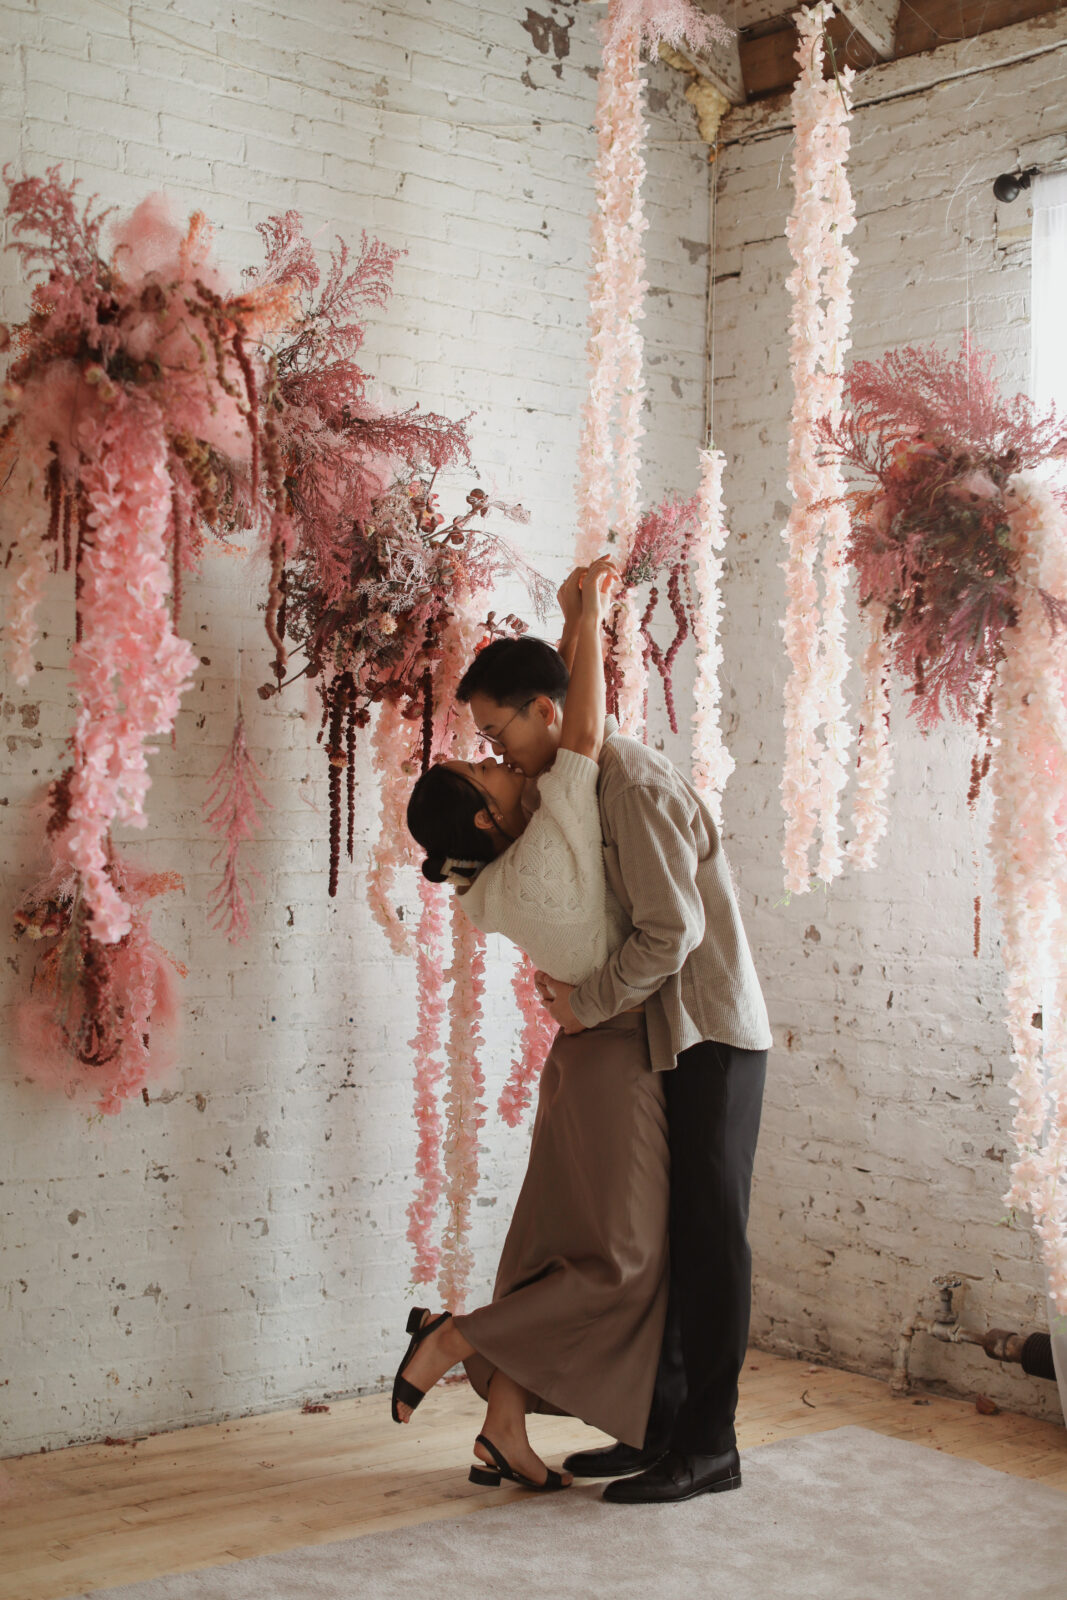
(1032, 1351)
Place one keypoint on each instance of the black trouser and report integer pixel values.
(714, 1096)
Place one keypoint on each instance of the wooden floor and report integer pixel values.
(98, 1516)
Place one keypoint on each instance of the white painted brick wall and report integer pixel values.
(887, 1129)
(240, 1244)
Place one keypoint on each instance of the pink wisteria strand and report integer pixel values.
(130, 667)
(429, 1070)
(231, 812)
(28, 508)
(712, 762)
(815, 772)
(538, 1032)
(609, 448)
(451, 734)
(870, 813)
(1028, 844)
(464, 1107)
(595, 487)
(391, 745)
(630, 290)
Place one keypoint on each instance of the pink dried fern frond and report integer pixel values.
(46, 206)
(674, 22)
(936, 447)
(231, 811)
(922, 391)
(290, 254)
(663, 538)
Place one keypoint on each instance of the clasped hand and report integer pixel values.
(555, 996)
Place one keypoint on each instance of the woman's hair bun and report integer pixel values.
(433, 868)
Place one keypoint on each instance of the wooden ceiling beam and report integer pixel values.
(876, 20)
(933, 22)
(719, 65)
(766, 50)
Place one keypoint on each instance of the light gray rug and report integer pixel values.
(844, 1515)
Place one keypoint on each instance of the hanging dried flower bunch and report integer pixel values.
(960, 559)
(132, 379)
(935, 446)
(99, 1022)
(378, 638)
(660, 555)
(148, 406)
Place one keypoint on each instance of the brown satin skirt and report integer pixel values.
(581, 1292)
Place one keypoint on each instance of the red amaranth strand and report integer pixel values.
(66, 532)
(83, 532)
(333, 751)
(245, 364)
(54, 494)
(350, 777)
(427, 718)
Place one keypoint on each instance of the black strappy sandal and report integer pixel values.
(403, 1391)
(491, 1477)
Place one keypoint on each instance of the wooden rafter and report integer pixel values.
(766, 48)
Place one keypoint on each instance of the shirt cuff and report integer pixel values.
(583, 1008)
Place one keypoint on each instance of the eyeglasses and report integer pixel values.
(496, 739)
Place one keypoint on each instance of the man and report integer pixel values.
(687, 960)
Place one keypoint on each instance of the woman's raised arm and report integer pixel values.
(586, 704)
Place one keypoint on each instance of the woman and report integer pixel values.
(577, 1313)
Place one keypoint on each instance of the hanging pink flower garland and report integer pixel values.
(394, 847)
(1028, 844)
(609, 452)
(712, 762)
(130, 668)
(447, 1156)
(535, 1041)
(464, 1107)
(815, 772)
(429, 1070)
(870, 812)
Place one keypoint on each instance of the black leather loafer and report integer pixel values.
(610, 1461)
(678, 1477)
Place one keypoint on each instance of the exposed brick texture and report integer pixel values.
(240, 1244)
(887, 1129)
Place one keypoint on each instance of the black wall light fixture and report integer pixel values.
(1010, 185)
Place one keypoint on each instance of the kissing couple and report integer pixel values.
(624, 1287)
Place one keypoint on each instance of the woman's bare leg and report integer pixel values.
(435, 1356)
(505, 1424)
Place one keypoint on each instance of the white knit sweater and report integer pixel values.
(548, 892)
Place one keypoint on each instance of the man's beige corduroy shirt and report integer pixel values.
(687, 958)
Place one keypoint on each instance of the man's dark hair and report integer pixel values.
(511, 671)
